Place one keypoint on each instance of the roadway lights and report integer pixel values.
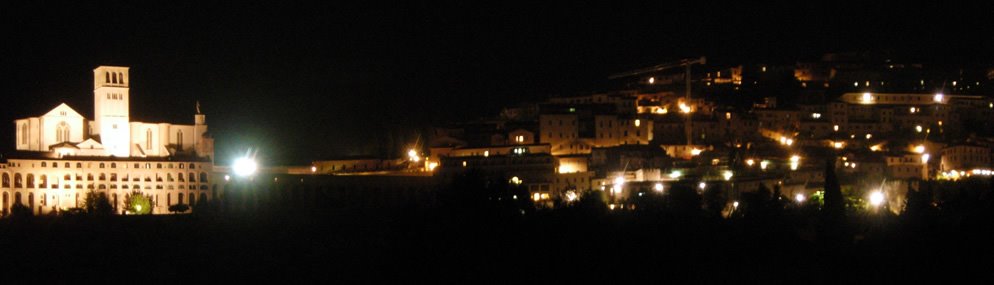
(876, 198)
(800, 198)
(244, 166)
(920, 149)
(925, 158)
(413, 155)
(867, 97)
(658, 187)
(619, 181)
(702, 185)
(727, 174)
(750, 162)
(938, 98)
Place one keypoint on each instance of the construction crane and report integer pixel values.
(686, 63)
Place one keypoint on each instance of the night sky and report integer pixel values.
(300, 82)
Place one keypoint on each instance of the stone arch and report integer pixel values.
(6, 180)
(17, 181)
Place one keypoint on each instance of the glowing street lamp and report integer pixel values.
(413, 155)
(800, 198)
(702, 185)
(920, 149)
(938, 98)
(867, 97)
(244, 166)
(727, 174)
(876, 198)
(619, 181)
(925, 158)
(658, 187)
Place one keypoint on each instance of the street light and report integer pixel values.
(244, 166)
(876, 198)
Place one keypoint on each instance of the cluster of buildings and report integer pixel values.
(729, 128)
(883, 125)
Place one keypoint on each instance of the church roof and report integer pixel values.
(63, 145)
(57, 111)
(90, 144)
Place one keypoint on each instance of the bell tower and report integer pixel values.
(111, 109)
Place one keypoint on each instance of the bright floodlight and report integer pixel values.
(876, 198)
(938, 98)
(413, 155)
(920, 149)
(799, 197)
(618, 181)
(658, 187)
(244, 166)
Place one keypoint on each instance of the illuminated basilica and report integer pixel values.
(62, 155)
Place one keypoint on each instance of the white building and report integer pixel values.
(62, 155)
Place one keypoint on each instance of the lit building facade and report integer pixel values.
(62, 155)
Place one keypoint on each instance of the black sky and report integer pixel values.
(301, 82)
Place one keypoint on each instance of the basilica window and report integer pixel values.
(148, 139)
(62, 132)
(24, 133)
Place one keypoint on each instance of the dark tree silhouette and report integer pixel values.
(98, 204)
(918, 202)
(834, 209)
(178, 208)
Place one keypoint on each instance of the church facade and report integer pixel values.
(62, 155)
